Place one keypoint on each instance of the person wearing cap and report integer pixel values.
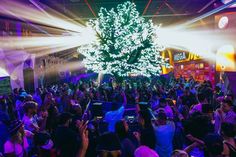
(17, 144)
(224, 114)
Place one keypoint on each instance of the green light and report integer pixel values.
(126, 44)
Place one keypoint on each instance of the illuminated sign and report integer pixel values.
(179, 56)
(185, 56)
(223, 22)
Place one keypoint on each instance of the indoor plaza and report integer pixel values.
(117, 78)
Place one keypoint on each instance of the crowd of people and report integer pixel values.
(174, 118)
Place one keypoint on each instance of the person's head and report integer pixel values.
(44, 144)
(161, 118)
(198, 125)
(21, 90)
(29, 98)
(179, 153)
(15, 129)
(217, 88)
(187, 90)
(65, 119)
(201, 97)
(49, 96)
(214, 145)
(144, 118)
(77, 110)
(162, 102)
(109, 154)
(170, 102)
(108, 145)
(15, 91)
(226, 105)
(114, 106)
(228, 130)
(30, 107)
(121, 129)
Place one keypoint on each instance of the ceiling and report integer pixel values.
(166, 11)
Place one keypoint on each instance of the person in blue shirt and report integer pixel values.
(116, 113)
(164, 131)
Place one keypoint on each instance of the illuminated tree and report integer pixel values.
(127, 44)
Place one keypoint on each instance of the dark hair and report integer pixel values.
(161, 115)
(214, 144)
(147, 117)
(207, 108)
(201, 97)
(30, 105)
(187, 88)
(64, 117)
(109, 142)
(198, 125)
(162, 100)
(114, 106)
(120, 129)
(227, 101)
(228, 129)
(148, 138)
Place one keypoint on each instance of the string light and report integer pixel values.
(126, 44)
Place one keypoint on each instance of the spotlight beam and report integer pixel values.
(39, 7)
(22, 11)
(207, 14)
(21, 19)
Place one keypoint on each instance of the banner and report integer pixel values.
(5, 85)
